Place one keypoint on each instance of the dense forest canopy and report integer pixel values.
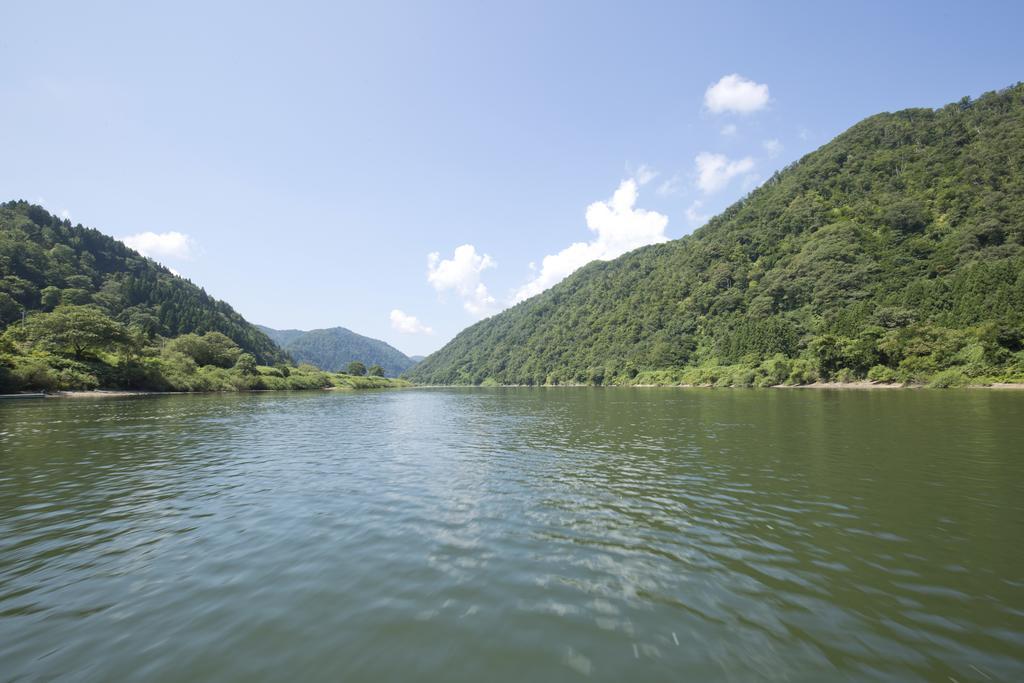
(894, 252)
(334, 348)
(46, 262)
(80, 311)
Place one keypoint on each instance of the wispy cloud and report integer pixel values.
(728, 130)
(772, 147)
(694, 216)
(734, 93)
(408, 324)
(644, 174)
(671, 186)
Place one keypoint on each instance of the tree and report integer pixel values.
(906, 215)
(46, 262)
(246, 364)
(50, 298)
(73, 296)
(79, 329)
(212, 348)
(9, 309)
(375, 371)
(356, 368)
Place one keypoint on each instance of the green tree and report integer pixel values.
(212, 348)
(246, 364)
(375, 371)
(45, 261)
(9, 309)
(78, 329)
(74, 296)
(356, 368)
(49, 298)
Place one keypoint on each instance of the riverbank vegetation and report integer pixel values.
(894, 253)
(46, 262)
(80, 347)
(79, 310)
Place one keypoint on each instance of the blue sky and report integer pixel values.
(321, 164)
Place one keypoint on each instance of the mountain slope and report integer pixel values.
(45, 261)
(334, 348)
(896, 250)
(281, 337)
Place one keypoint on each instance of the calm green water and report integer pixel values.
(514, 534)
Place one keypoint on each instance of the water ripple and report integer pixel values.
(514, 534)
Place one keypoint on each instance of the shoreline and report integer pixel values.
(856, 386)
(848, 386)
(135, 393)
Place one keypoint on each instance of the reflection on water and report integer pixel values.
(515, 534)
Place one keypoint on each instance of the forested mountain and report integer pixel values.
(334, 348)
(281, 337)
(46, 262)
(895, 252)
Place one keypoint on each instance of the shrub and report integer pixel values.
(948, 378)
(33, 372)
(775, 370)
(844, 376)
(74, 380)
(882, 374)
(804, 372)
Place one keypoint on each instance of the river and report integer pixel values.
(515, 534)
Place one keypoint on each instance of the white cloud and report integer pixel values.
(736, 94)
(644, 174)
(694, 215)
(728, 130)
(408, 324)
(671, 186)
(161, 245)
(714, 171)
(773, 147)
(461, 274)
(620, 228)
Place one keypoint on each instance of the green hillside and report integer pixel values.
(894, 252)
(333, 349)
(46, 261)
(281, 337)
(79, 311)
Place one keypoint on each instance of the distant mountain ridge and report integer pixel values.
(334, 348)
